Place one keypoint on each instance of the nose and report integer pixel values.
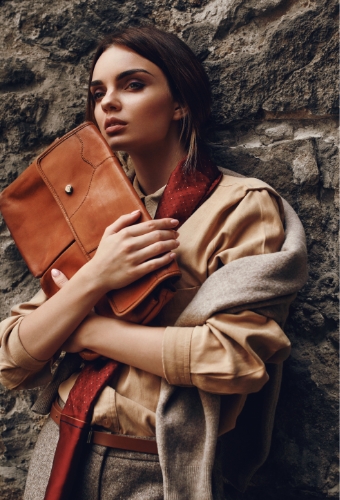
(110, 101)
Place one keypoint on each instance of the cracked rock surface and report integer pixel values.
(273, 70)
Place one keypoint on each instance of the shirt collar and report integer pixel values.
(151, 200)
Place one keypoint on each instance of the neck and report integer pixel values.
(154, 167)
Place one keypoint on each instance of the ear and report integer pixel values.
(179, 112)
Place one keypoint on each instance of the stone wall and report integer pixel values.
(272, 64)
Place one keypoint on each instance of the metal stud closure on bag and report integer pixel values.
(68, 189)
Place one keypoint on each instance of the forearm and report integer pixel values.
(125, 254)
(44, 331)
(135, 345)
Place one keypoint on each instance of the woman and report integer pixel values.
(149, 97)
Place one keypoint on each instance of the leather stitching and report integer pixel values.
(58, 257)
(88, 161)
(64, 138)
(86, 194)
(67, 218)
(53, 191)
(56, 197)
(140, 298)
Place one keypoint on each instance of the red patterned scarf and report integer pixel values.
(183, 194)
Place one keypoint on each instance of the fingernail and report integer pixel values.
(172, 255)
(55, 272)
(174, 221)
(135, 212)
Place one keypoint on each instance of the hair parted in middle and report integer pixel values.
(187, 79)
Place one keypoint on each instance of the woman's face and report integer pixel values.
(134, 108)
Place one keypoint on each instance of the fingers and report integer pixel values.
(133, 244)
(128, 251)
(122, 222)
(59, 278)
(152, 225)
(155, 250)
(128, 222)
(154, 264)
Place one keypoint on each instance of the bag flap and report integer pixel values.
(34, 220)
(89, 184)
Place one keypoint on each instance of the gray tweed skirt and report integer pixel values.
(107, 473)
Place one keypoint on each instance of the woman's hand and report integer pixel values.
(125, 253)
(128, 251)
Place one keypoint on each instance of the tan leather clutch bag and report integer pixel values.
(58, 209)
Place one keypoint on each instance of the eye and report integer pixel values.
(98, 94)
(135, 85)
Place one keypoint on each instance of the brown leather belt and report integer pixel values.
(121, 442)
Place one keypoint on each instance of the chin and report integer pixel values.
(114, 143)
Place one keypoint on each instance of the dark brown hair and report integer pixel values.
(186, 77)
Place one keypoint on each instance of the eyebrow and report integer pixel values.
(122, 75)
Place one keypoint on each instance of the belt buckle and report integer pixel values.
(89, 436)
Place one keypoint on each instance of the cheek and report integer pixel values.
(157, 111)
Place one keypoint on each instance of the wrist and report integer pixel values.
(92, 280)
(96, 332)
(87, 331)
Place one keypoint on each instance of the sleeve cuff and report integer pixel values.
(176, 355)
(19, 354)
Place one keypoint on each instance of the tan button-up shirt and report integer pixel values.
(218, 356)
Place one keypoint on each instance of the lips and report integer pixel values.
(113, 125)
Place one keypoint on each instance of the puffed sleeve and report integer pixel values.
(18, 368)
(227, 354)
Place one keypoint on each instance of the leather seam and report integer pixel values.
(58, 257)
(87, 192)
(61, 206)
(55, 194)
(64, 138)
(139, 299)
(88, 161)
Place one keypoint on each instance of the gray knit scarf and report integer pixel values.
(187, 419)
